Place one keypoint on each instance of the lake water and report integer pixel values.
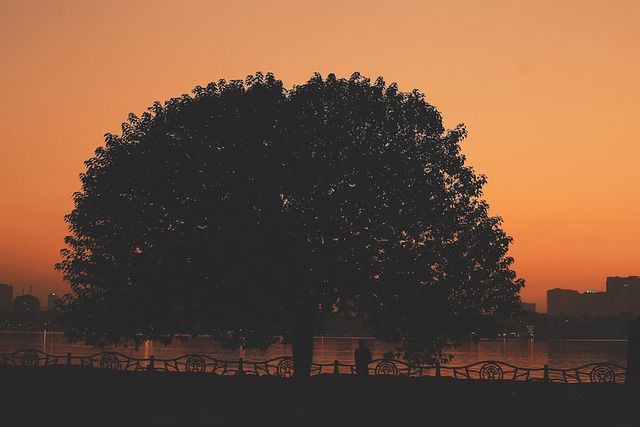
(525, 353)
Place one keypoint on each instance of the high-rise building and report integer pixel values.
(51, 301)
(594, 303)
(623, 295)
(564, 302)
(26, 304)
(6, 297)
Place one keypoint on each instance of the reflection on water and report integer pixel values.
(527, 353)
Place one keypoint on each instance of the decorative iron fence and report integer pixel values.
(603, 372)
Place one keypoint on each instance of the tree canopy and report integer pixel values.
(250, 212)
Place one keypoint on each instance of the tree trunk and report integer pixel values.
(302, 345)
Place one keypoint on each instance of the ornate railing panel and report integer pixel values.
(193, 363)
(492, 370)
(110, 360)
(29, 357)
(489, 370)
(589, 373)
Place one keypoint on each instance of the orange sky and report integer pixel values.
(548, 90)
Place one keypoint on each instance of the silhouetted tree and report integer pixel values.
(249, 212)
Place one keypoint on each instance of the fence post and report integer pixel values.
(335, 367)
(152, 365)
(240, 370)
(69, 359)
(546, 373)
(438, 368)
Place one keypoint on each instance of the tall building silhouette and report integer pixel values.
(594, 303)
(6, 297)
(565, 302)
(623, 295)
(51, 301)
(26, 303)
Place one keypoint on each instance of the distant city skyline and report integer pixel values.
(527, 305)
(622, 295)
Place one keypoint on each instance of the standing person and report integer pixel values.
(362, 356)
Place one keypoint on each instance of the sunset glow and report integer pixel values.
(548, 91)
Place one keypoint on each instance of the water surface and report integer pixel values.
(526, 353)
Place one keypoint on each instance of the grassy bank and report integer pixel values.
(77, 396)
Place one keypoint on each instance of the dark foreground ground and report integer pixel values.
(74, 396)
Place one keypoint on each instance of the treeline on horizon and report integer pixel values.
(518, 326)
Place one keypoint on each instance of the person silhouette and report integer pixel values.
(362, 356)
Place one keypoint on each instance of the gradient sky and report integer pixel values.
(548, 90)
